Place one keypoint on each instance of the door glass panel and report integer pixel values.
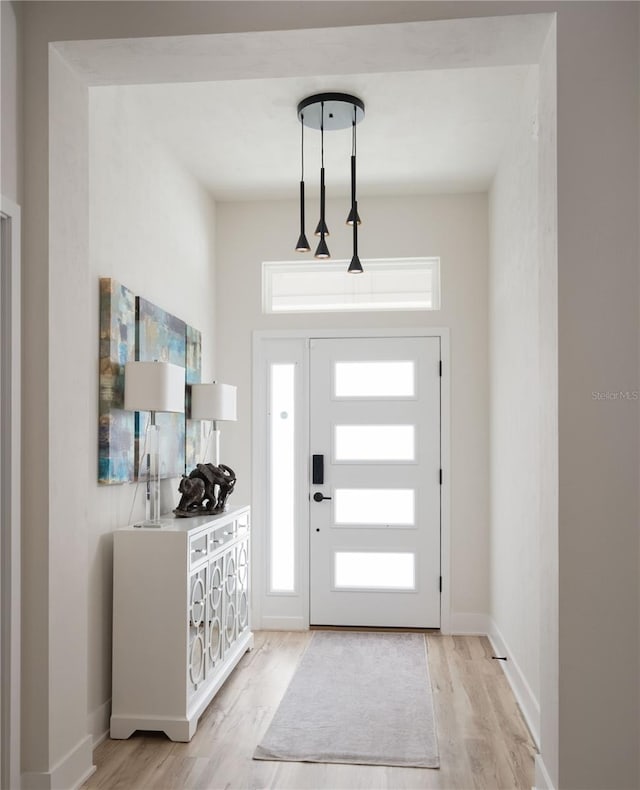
(374, 570)
(282, 477)
(375, 506)
(384, 379)
(374, 443)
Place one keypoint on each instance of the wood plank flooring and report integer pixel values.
(482, 739)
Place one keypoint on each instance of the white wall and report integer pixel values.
(10, 495)
(152, 228)
(453, 227)
(548, 351)
(152, 225)
(598, 352)
(67, 408)
(515, 392)
(10, 102)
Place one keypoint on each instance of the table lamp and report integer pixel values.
(215, 402)
(153, 387)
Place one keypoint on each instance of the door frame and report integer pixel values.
(10, 492)
(290, 611)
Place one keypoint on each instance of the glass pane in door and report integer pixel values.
(282, 474)
(373, 570)
(374, 443)
(375, 506)
(384, 379)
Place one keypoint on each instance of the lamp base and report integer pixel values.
(152, 514)
(213, 438)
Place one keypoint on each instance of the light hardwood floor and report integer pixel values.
(482, 739)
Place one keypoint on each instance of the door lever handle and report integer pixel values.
(318, 497)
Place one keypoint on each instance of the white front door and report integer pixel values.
(375, 482)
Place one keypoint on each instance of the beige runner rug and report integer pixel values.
(357, 697)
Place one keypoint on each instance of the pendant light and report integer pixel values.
(303, 244)
(322, 230)
(353, 214)
(331, 111)
(355, 267)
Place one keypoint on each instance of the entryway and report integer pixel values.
(351, 427)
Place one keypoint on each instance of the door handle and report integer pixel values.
(318, 497)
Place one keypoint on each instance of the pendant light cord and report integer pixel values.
(301, 146)
(322, 135)
(302, 244)
(353, 215)
(353, 166)
(323, 226)
(353, 132)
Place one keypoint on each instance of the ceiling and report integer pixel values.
(424, 131)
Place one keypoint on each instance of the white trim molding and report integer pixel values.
(98, 723)
(10, 492)
(542, 778)
(71, 771)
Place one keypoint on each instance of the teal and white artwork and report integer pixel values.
(117, 346)
(161, 337)
(132, 328)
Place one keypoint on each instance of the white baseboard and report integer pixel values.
(282, 624)
(469, 624)
(98, 723)
(69, 772)
(529, 704)
(542, 778)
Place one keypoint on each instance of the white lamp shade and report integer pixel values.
(154, 386)
(213, 402)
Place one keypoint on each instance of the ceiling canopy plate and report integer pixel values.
(338, 110)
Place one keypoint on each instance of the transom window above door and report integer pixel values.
(386, 284)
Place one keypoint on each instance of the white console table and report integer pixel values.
(180, 619)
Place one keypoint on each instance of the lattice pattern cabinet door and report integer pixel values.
(197, 629)
(243, 586)
(231, 607)
(215, 651)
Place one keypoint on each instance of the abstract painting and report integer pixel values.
(194, 447)
(117, 346)
(160, 337)
(132, 328)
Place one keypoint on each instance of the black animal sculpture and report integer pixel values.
(199, 494)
